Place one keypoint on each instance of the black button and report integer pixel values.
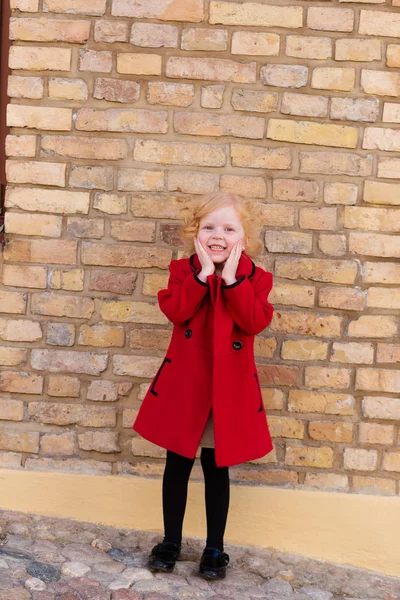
(188, 333)
(237, 345)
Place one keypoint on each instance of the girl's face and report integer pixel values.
(219, 231)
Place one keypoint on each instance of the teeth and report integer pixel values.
(217, 248)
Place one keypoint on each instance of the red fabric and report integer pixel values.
(210, 365)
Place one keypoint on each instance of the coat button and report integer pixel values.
(237, 345)
(188, 333)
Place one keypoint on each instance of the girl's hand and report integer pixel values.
(231, 265)
(207, 265)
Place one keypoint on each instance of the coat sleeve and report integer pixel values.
(248, 305)
(183, 296)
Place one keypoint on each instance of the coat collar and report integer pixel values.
(245, 267)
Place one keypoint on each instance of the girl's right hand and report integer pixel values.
(207, 265)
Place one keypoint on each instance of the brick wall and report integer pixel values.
(120, 112)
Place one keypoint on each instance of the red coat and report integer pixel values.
(210, 364)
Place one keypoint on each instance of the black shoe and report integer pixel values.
(164, 556)
(213, 564)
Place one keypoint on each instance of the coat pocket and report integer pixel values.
(154, 383)
(261, 405)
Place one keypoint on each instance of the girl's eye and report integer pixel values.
(207, 227)
(230, 229)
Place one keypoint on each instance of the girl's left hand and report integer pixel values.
(229, 271)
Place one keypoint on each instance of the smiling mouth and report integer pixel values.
(217, 248)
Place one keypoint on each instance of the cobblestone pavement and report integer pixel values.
(44, 558)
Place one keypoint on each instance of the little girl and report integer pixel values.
(206, 392)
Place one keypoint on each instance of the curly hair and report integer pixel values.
(247, 211)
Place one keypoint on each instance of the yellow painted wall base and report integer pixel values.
(358, 530)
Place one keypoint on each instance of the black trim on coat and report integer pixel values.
(153, 385)
(227, 287)
(199, 280)
(253, 270)
(191, 260)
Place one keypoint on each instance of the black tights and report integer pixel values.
(175, 484)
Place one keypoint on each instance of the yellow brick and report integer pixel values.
(340, 193)
(374, 244)
(26, 277)
(352, 352)
(374, 485)
(301, 46)
(378, 380)
(389, 353)
(383, 298)
(41, 173)
(139, 64)
(304, 350)
(257, 157)
(101, 336)
(292, 295)
(333, 78)
(67, 280)
(38, 250)
(357, 459)
(329, 403)
(19, 441)
(40, 59)
(358, 49)
(332, 244)
(30, 224)
(380, 83)
(25, 87)
(373, 326)
(303, 132)
(342, 298)
(288, 242)
(303, 456)
(197, 38)
(327, 481)
(12, 302)
(170, 94)
(334, 271)
(39, 117)
(317, 377)
(88, 7)
(112, 204)
(379, 23)
(64, 386)
(372, 433)
(327, 431)
(132, 312)
(302, 323)
(11, 357)
(253, 187)
(253, 43)
(164, 10)
(11, 410)
(391, 461)
(376, 192)
(49, 30)
(286, 427)
(212, 69)
(264, 347)
(273, 399)
(318, 218)
(21, 145)
(67, 89)
(253, 13)
(54, 444)
(20, 383)
(330, 19)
